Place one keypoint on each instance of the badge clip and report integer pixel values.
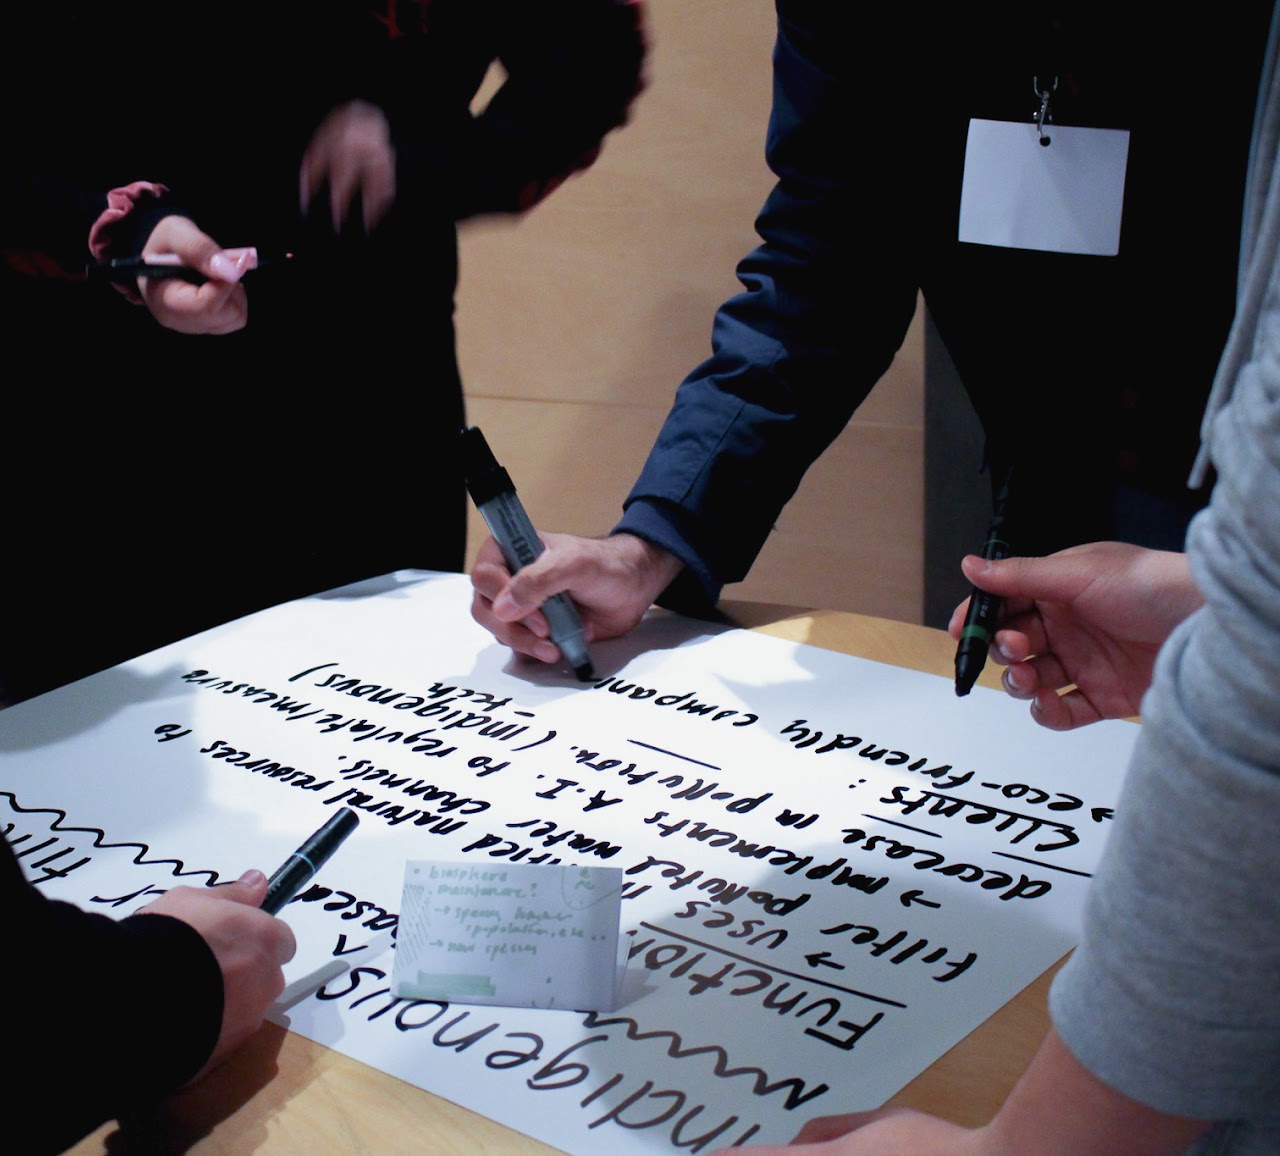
(1043, 115)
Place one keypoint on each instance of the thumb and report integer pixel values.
(227, 265)
(250, 889)
(199, 251)
(1053, 579)
(530, 587)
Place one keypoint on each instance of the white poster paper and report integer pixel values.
(832, 869)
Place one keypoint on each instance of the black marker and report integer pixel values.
(308, 859)
(163, 267)
(495, 497)
(984, 608)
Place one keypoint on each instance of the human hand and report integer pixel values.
(351, 151)
(249, 945)
(613, 581)
(220, 304)
(887, 1132)
(1092, 617)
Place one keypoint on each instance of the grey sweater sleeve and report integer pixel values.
(1174, 994)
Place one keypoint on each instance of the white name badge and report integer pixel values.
(1064, 197)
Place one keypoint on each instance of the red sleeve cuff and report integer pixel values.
(120, 203)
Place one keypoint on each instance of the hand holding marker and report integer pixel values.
(495, 497)
(169, 267)
(984, 609)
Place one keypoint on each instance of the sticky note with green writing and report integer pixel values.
(521, 936)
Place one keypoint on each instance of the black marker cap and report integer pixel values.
(485, 478)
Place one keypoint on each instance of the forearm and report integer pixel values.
(784, 379)
(1059, 1108)
(1171, 994)
(827, 298)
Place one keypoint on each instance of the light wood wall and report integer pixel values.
(577, 323)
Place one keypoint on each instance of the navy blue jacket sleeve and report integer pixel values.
(826, 301)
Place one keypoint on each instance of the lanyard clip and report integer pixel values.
(1043, 114)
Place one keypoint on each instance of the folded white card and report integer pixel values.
(520, 936)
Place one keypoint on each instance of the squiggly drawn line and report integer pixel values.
(179, 870)
(796, 1091)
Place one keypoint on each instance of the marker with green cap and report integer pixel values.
(984, 609)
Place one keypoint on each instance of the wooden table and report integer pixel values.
(284, 1095)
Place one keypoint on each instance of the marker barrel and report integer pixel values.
(308, 859)
(984, 608)
(495, 497)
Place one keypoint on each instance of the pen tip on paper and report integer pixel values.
(585, 672)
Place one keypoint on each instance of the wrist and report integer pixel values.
(655, 566)
(122, 228)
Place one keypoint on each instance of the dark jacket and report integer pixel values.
(1089, 372)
